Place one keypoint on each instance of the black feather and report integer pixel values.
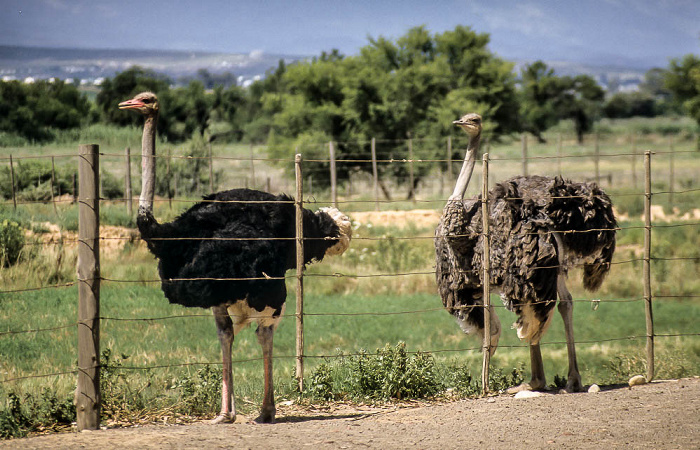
(240, 233)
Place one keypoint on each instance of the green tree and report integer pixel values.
(414, 86)
(630, 104)
(34, 110)
(582, 102)
(541, 94)
(683, 80)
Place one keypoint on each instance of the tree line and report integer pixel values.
(391, 90)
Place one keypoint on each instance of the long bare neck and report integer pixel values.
(467, 168)
(148, 165)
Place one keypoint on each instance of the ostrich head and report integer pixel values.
(145, 103)
(344, 231)
(471, 123)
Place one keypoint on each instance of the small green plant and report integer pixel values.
(48, 411)
(390, 373)
(321, 383)
(459, 379)
(500, 380)
(11, 242)
(13, 422)
(122, 396)
(198, 393)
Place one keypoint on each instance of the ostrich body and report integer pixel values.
(230, 253)
(540, 227)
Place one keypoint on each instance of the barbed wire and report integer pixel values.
(341, 355)
(390, 160)
(37, 330)
(13, 291)
(21, 157)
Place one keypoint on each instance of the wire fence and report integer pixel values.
(366, 192)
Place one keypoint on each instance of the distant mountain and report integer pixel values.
(92, 65)
(612, 77)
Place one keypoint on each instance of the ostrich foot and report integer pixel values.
(531, 386)
(223, 418)
(267, 415)
(573, 385)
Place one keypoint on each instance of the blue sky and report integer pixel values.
(628, 31)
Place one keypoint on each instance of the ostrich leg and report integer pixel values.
(538, 381)
(224, 328)
(566, 309)
(267, 413)
(537, 367)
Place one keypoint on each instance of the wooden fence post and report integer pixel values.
(252, 167)
(167, 179)
(300, 273)
(486, 267)
(671, 172)
(211, 171)
(647, 267)
(410, 168)
(12, 183)
(53, 183)
(634, 159)
(375, 174)
(524, 153)
(596, 157)
(87, 396)
(334, 187)
(127, 190)
(450, 181)
(559, 155)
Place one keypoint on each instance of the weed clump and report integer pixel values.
(390, 373)
(11, 242)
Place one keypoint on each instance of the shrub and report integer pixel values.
(13, 422)
(389, 373)
(11, 242)
(47, 412)
(198, 393)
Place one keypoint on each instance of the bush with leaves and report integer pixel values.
(33, 182)
(390, 373)
(35, 110)
(11, 242)
(47, 411)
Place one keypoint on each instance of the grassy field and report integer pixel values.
(158, 353)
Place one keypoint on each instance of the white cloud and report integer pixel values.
(256, 54)
(526, 18)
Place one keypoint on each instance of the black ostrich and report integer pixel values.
(539, 227)
(230, 253)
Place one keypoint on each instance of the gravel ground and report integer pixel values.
(659, 415)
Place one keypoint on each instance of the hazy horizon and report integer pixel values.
(636, 33)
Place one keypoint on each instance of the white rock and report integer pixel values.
(594, 389)
(528, 394)
(637, 380)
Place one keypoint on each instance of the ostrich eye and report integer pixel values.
(148, 100)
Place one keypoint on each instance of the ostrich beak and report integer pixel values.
(130, 104)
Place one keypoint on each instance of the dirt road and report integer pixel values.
(660, 415)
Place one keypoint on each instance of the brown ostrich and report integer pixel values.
(540, 227)
(230, 253)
